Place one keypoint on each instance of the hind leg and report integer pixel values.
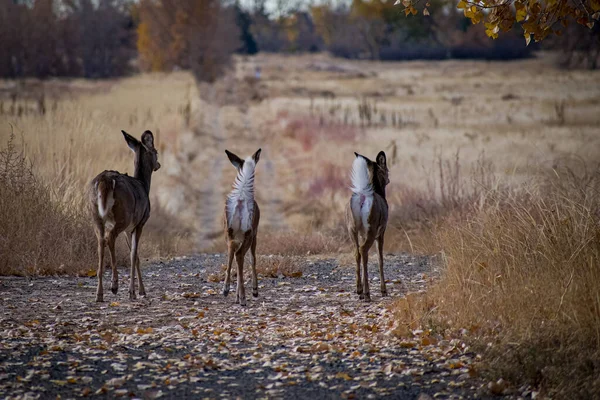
(114, 287)
(240, 292)
(364, 252)
(227, 284)
(253, 260)
(359, 287)
(100, 273)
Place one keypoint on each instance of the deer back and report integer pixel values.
(130, 202)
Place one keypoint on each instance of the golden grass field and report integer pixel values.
(493, 166)
(309, 114)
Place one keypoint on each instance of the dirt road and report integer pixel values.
(305, 337)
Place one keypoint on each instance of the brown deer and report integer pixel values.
(118, 203)
(241, 224)
(366, 216)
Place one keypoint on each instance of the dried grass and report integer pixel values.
(46, 229)
(523, 272)
(300, 243)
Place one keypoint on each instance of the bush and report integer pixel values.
(37, 234)
(413, 52)
(523, 273)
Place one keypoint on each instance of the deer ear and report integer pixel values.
(132, 142)
(363, 157)
(381, 159)
(256, 156)
(148, 139)
(235, 160)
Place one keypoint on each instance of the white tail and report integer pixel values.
(363, 189)
(240, 202)
(106, 199)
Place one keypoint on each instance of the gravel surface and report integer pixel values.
(303, 337)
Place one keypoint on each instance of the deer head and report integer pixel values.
(238, 163)
(379, 172)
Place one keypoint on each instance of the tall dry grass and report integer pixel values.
(38, 234)
(522, 276)
(63, 149)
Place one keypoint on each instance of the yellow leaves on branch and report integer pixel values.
(538, 18)
(409, 7)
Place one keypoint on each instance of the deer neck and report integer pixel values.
(142, 172)
(378, 188)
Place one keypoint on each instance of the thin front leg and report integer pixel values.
(99, 290)
(141, 288)
(227, 285)
(241, 292)
(114, 287)
(133, 255)
(253, 260)
(380, 254)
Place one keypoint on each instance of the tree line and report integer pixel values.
(105, 38)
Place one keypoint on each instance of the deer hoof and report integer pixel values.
(114, 288)
(361, 296)
(143, 292)
(132, 296)
(99, 298)
(367, 298)
(255, 292)
(243, 303)
(225, 292)
(384, 293)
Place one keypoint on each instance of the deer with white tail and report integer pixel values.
(241, 224)
(367, 215)
(121, 203)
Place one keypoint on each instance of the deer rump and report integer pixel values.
(117, 197)
(240, 205)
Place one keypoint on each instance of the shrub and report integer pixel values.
(523, 273)
(38, 235)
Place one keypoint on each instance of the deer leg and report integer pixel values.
(114, 287)
(227, 285)
(380, 254)
(364, 252)
(253, 260)
(100, 290)
(241, 293)
(359, 288)
(141, 288)
(133, 255)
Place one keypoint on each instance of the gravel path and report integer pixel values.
(303, 337)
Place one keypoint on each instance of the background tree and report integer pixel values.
(199, 35)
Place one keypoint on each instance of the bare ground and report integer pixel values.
(302, 337)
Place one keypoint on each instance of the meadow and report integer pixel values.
(493, 168)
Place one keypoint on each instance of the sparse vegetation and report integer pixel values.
(521, 272)
(38, 234)
(46, 228)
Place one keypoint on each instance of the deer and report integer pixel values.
(367, 215)
(242, 216)
(121, 203)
